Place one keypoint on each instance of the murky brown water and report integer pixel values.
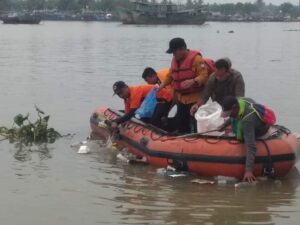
(67, 69)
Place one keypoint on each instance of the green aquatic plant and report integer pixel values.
(28, 133)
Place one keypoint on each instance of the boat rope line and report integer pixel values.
(205, 158)
(139, 126)
(199, 158)
(268, 169)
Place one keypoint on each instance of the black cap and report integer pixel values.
(118, 86)
(176, 43)
(229, 102)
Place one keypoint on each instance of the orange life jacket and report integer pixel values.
(182, 72)
(210, 65)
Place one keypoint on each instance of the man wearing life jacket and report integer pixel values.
(187, 76)
(249, 120)
(225, 81)
(133, 97)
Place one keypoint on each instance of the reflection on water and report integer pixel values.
(68, 69)
(143, 197)
(23, 152)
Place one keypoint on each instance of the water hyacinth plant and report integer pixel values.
(28, 133)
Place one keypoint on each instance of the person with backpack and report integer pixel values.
(249, 120)
(225, 81)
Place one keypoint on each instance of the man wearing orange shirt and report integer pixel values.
(133, 97)
(153, 77)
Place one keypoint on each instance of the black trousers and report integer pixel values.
(185, 123)
(160, 115)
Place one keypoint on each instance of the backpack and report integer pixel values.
(266, 114)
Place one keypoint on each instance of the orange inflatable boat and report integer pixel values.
(201, 154)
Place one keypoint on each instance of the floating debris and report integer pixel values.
(245, 184)
(129, 158)
(225, 180)
(263, 179)
(200, 181)
(110, 144)
(231, 32)
(102, 124)
(177, 175)
(123, 158)
(172, 172)
(84, 149)
(275, 60)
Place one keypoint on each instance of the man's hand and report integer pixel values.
(160, 87)
(156, 86)
(194, 108)
(114, 126)
(222, 127)
(249, 177)
(188, 83)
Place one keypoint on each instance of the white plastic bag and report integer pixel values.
(209, 118)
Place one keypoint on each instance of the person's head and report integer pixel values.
(150, 76)
(222, 68)
(230, 107)
(121, 89)
(178, 48)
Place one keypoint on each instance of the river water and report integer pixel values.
(68, 68)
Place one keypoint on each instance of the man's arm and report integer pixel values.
(125, 117)
(208, 89)
(200, 70)
(250, 142)
(239, 86)
(206, 94)
(167, 80)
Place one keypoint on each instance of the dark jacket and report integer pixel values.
(233, 86)
(253, 128)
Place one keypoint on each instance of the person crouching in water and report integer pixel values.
(249, 121)
(133, 97)
(187, 76)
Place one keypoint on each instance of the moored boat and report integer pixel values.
(24, 18)
(148, 13)
(202, 154)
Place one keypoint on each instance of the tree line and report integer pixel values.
(258, 6)
(63, 5)
(114, 5)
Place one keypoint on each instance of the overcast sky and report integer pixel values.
(275, 2)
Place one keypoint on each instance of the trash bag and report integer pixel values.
(147, 107)
(209, 118)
